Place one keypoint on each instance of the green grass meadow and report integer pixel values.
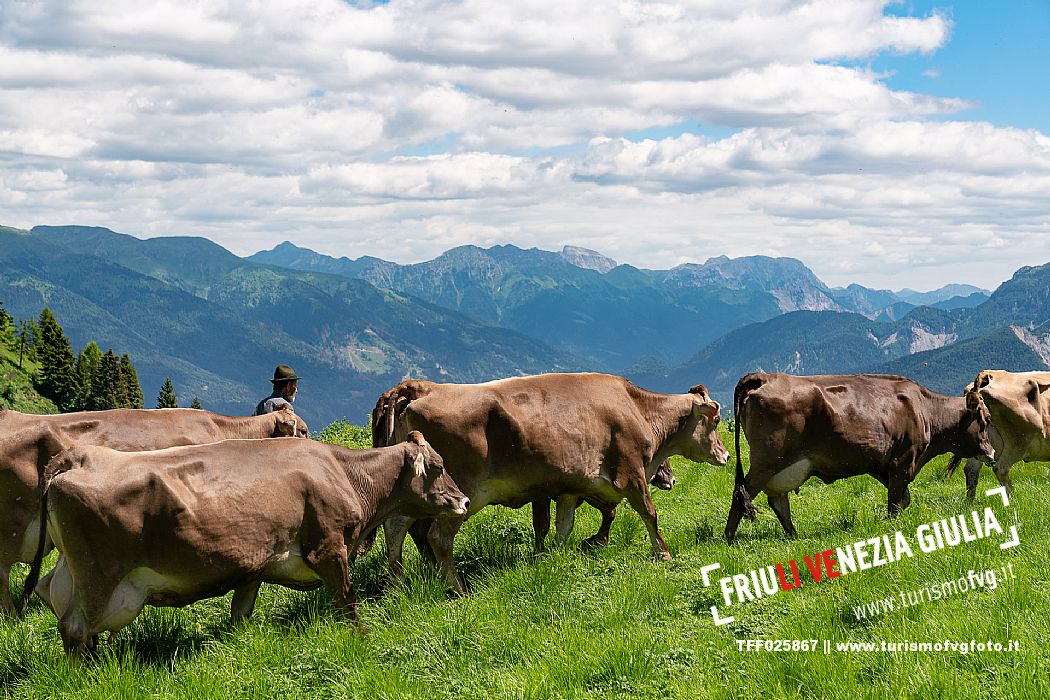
(606, 625)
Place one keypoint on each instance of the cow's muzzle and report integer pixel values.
(665, 484)
(462, 507)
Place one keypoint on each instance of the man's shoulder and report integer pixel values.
(271, 404)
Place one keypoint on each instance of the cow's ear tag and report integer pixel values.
(419, 463)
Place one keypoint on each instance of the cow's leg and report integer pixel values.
(394, 532)
(333, 568)
(541, 523)
(441, 536)
(780, 505)
(7, 606)
(565, 517)
(364, 545)
(972, 470)
(899, 497)
(419, 532)
(1001, 469)
(244, 601)
(638, 497)
(601, 538)
(16, 530)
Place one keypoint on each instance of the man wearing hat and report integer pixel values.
(284, 387)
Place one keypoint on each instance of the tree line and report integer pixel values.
(88, 381)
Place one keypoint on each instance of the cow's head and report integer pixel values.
(663, 479)
(975, 425)
(431, 491)
(704, 444)
(288, 423)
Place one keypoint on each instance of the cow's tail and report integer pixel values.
(60, 463)
(741, 497)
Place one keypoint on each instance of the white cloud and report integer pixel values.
(402, 129)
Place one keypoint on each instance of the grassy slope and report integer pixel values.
(16, 387)
(611, 625)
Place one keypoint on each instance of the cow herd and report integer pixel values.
(169, 506)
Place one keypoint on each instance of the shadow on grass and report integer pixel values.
(159, 637)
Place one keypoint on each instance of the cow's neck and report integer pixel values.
(946, 416)
(665, 415)
(373, 476)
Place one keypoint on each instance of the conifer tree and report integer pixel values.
(87, 365)
(28, 333)
(7, 325)
(130, 379)
(167, 397)
(105, 385)
(196, 403)
(58, 378)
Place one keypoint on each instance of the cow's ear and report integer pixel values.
(1035, 390)
(973, 400)
(708, 409)
(419, 463)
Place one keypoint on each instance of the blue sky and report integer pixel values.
(998, 56)
(890, 144)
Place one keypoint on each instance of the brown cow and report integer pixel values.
(28, 442)
(1019, 404)
(836, 426)
(512, 441)
(174, 526)
(565, 513)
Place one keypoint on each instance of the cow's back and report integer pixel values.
(502, 440)
(132, 430)
(225, 502)
(850, 418)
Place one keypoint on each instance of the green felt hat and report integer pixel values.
(284, 373)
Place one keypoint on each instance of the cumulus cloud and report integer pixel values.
(432, 123)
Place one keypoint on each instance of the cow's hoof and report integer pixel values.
(458, 591)
(592, 543)
(664, 556)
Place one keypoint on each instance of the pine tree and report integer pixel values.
(196, 403)
(167, 397)
(58, 377)
(28, 334)
(87, 365)
(7, 325)
(105, 385)
(130, 379)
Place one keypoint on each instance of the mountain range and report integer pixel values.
(613, 316)
(216, 323)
